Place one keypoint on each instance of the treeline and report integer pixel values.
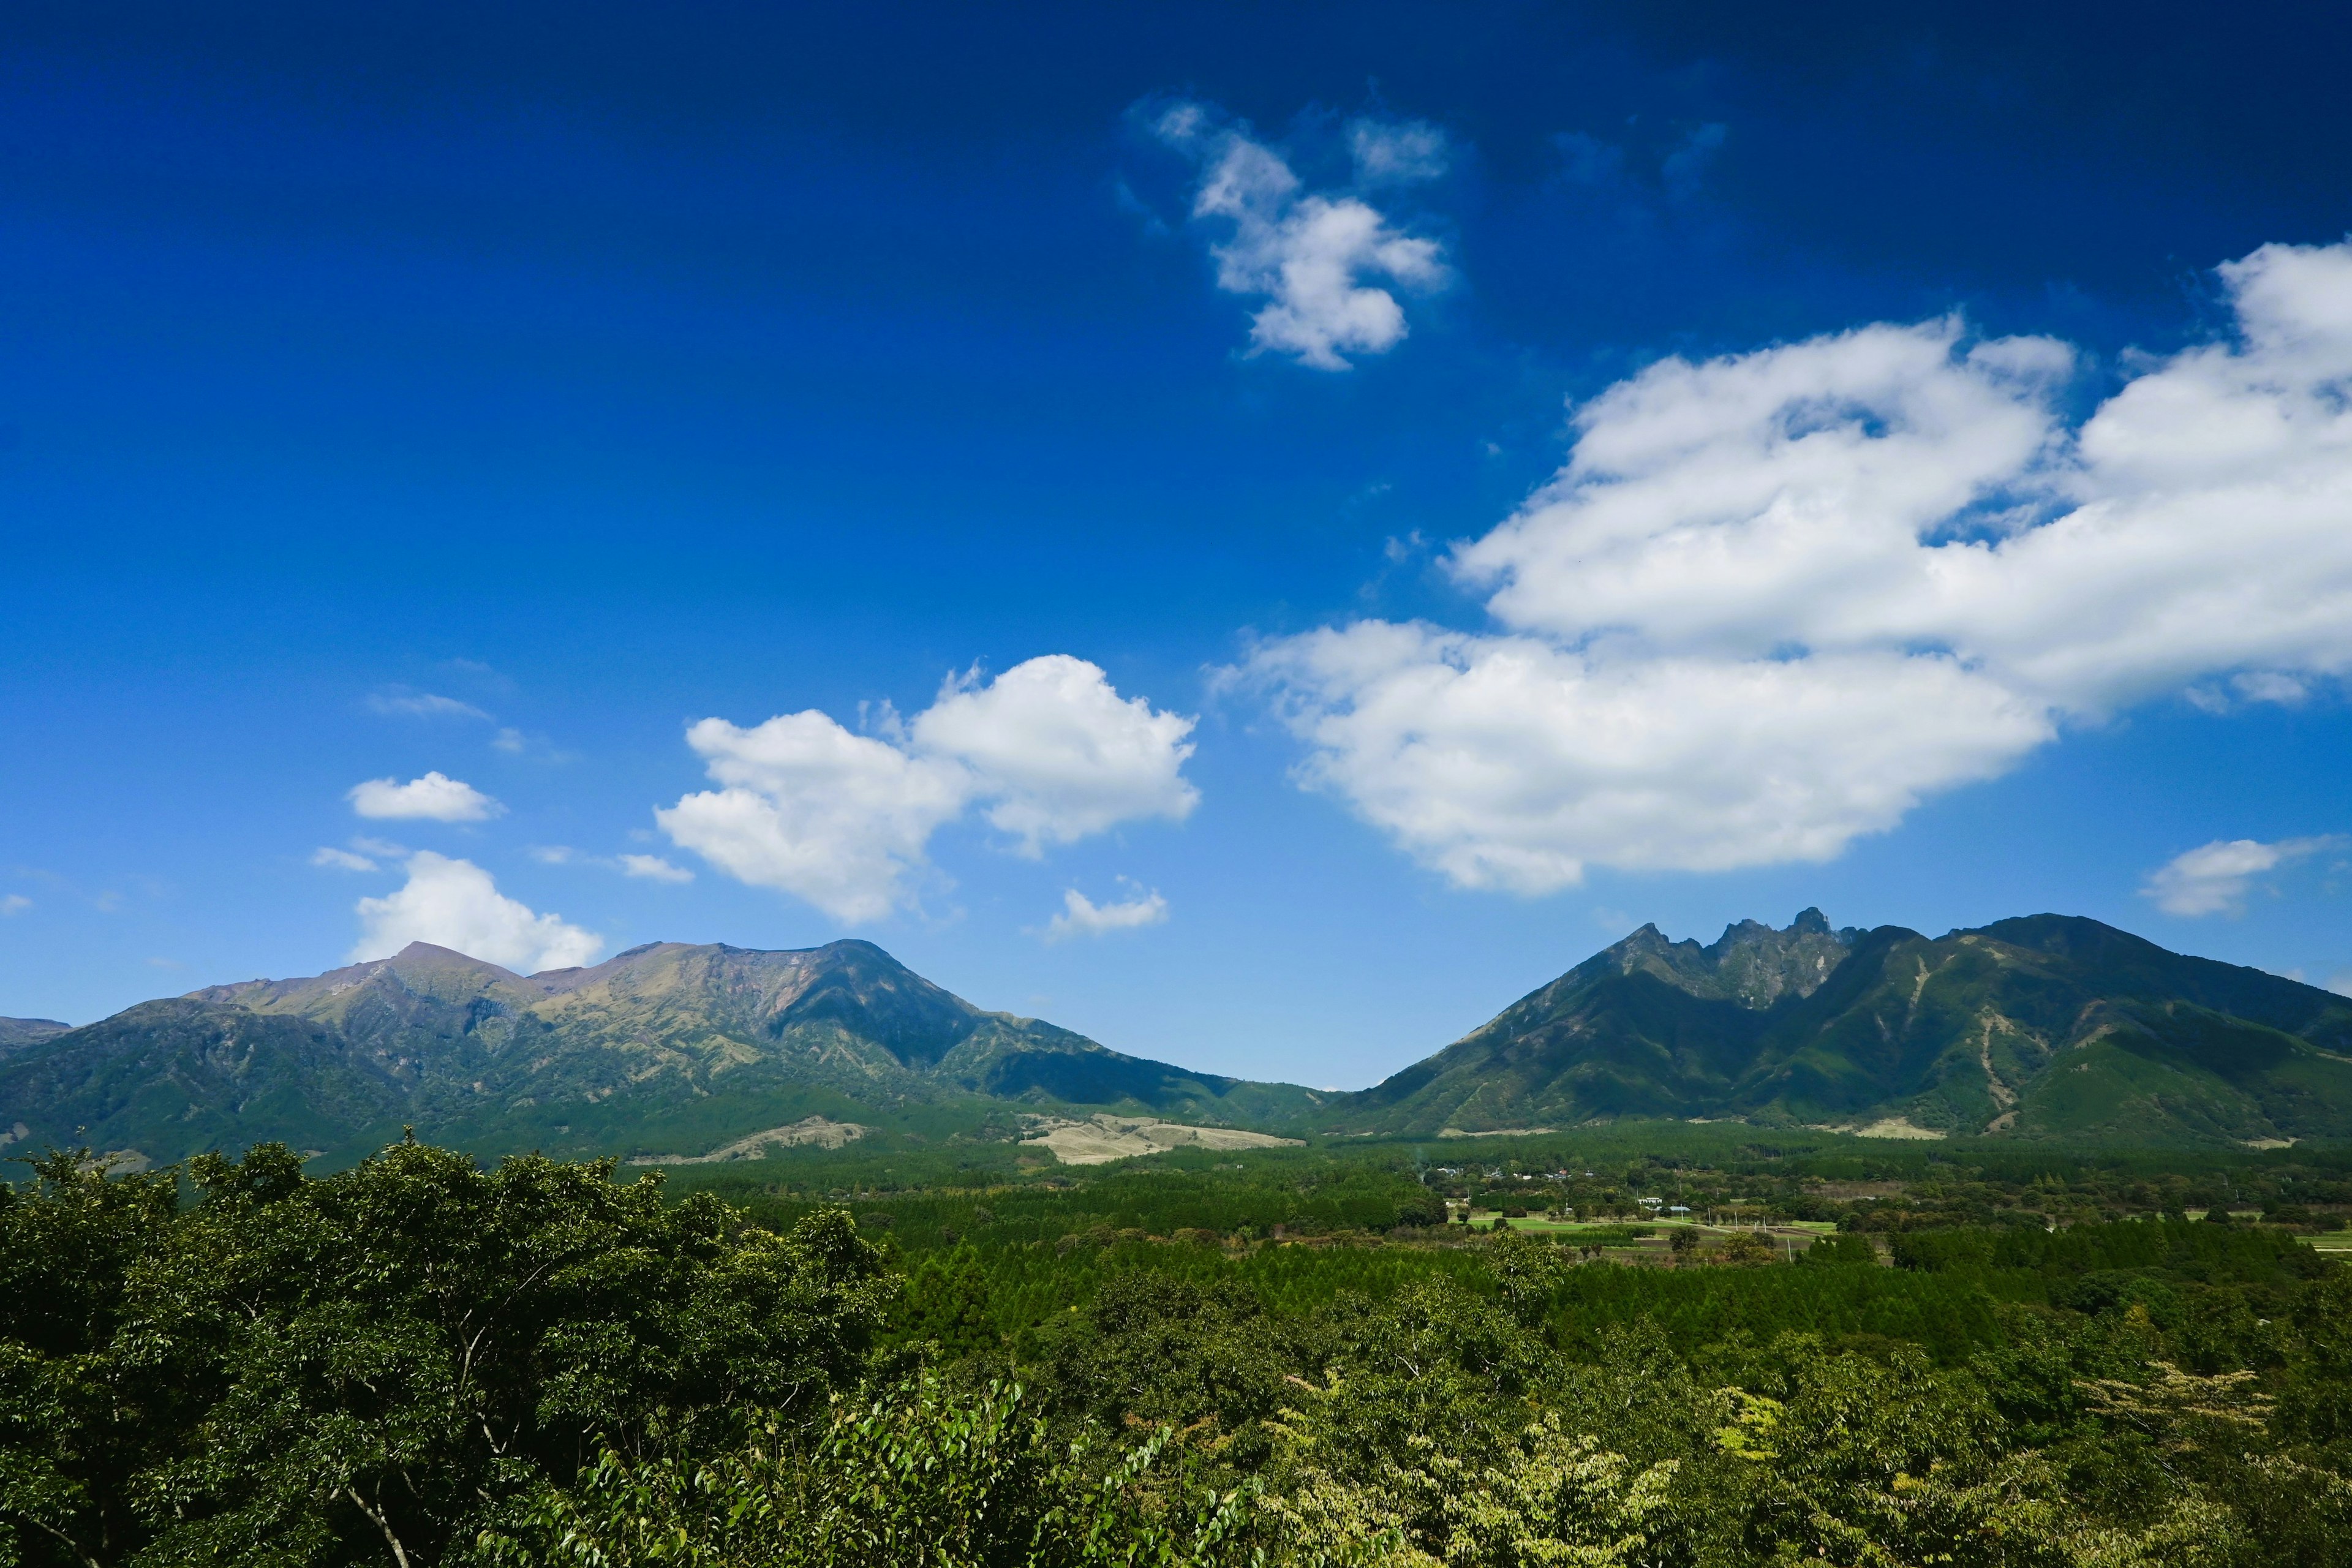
(928, 1193)
(1243, 1201)
(419, 1361)
(1318, 1192)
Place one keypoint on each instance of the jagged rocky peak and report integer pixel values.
(1750, 963)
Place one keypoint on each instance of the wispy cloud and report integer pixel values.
(339, 860)
(1081, 916)
(650, 867)
(401, 702)
(536, 747)
(14, 904)
(2214, 878)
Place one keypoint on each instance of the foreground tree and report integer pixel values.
(373, 1365)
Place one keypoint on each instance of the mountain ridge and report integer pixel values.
(1945, 1035)
(18, 1033)
(664, 1043)
(2036, 1027)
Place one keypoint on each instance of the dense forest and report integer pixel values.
(1591, 1352)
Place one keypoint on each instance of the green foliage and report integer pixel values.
(421, 1362)
(1833, 1251)
(1303, 1192)
(916, 1475)
(316, 1371)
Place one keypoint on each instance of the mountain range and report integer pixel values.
(2044, 1026)
(666, 1048)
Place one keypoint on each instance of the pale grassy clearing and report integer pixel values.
(1100, 1140)
(818, 1131)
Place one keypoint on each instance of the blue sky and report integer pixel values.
(1375, 501)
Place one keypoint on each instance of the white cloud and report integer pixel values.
(454, 904)
(1310, 256)
(507, 739)
(811, 809)
(384, 848)
(402, 701)
(1050, 751)
(553, 854)
(340, 859)
(1509, 762)
(435, 797)
(14, 904)
(1060, 754)
(2214, 878)
(652, 867)
(1774, 600)
(1081, 916)
(2269, 686)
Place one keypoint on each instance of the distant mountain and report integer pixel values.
(666, 1048)
(2042, 1027)
(19, 1032)
(2039, 1027)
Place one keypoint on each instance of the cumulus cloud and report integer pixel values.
(1081, 916)
(2214, 878)
(1060, 754)
(1508, 762)
(1312, 257)
(1775, 599)
(340, 859)
(436, 797)
(1048, 749)
(454, 904)
(654, 869)
(837, 819)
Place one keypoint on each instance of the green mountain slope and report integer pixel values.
(666, 1048)
(2042, 1026)
(18, 1033)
